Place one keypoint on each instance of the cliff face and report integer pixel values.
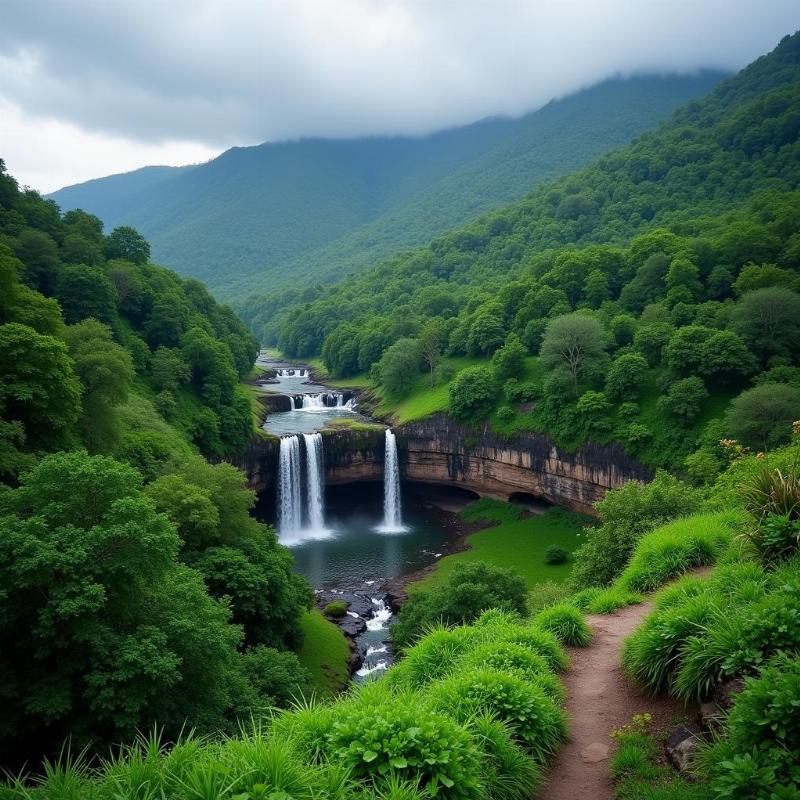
(439, 450)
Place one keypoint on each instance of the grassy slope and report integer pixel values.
(516, 543)
(324, 653)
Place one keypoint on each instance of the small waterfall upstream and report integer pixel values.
(392, 511)
(324, 401)
(315, 478)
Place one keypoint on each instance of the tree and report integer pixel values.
(596, 288)
(650, 340)
(685, 351)
(106, 372)
(682, 274)
(340, 350)
(684, 399)
(486, 333)
(623, 329)
(399, 365)
(38, 252)
(626, 376)
(472, 394)
(593, 409)
(576, 343)
(725, 357)
(432, 339)
(127, 243)
(85, 292)
(104, 633)
(762, 417)
(471, 589)
(509, 360)
(768, 320)
(38, 386)
(169, 369)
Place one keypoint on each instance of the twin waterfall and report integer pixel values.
(294, 519)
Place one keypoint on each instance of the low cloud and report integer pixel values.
(204, 75)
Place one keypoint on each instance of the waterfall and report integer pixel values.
(313, 402)
(290, 510)
(291, 400)
(392, 515)
(315, 480)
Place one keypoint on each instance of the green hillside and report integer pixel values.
(291, 214)
(675, 258)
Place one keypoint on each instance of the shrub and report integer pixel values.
(520, 391)
(472, 394)
(566, 623)
(674, 548)
(626, 514)
(604, 601)
(506, 657)
(470, 589)
(538, 640)
(505, 414)
(544, 594)
(533, 716)
(509, 360)
(762, 417)
(555, 555)
(336, 608)
(759, 757)
(508, 773)
(402, 735)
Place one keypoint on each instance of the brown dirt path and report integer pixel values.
(600, 699)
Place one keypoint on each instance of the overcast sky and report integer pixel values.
(93, 87)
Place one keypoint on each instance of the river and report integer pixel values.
(351, 556)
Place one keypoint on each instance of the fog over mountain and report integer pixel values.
(106, 87)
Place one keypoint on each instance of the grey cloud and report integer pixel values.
(228, 72)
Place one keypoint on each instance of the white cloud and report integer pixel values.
(138, 74)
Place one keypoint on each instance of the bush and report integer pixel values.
(627, 513)
(762, 417)
(336, 609)
(566, 623)
(402, 735)
(505, 414)
(533, 716)
(470, 589)
(759, 757)
(674, 548)
(520, 392)
(555, 555)
(472, 394)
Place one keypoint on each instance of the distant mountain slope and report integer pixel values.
(279, 215)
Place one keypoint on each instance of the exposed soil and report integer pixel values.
(601, 699)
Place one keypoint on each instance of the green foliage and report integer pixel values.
(399, 365)
(336, 608)
(672, 549)
(626, 514)
(408, 739)
(575, 343)
(762, 417)
(534, 717)
(509, 360)
(566, 623)
(105, 370)
(470, 589)
(118, 635)
(472, 394)
(555, 555)
(625, 376)
(683, 399)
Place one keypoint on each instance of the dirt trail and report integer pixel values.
(600, 699)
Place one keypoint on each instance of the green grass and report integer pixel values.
(343, 423)
(324, 653)
(515, 543)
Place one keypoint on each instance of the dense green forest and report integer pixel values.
(135, 587)
(297, 213)
(631, 300)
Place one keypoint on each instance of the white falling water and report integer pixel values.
(289, 505)
(315, 480)
(392, 512)
(291, 400)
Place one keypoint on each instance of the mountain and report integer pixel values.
(294, 213)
